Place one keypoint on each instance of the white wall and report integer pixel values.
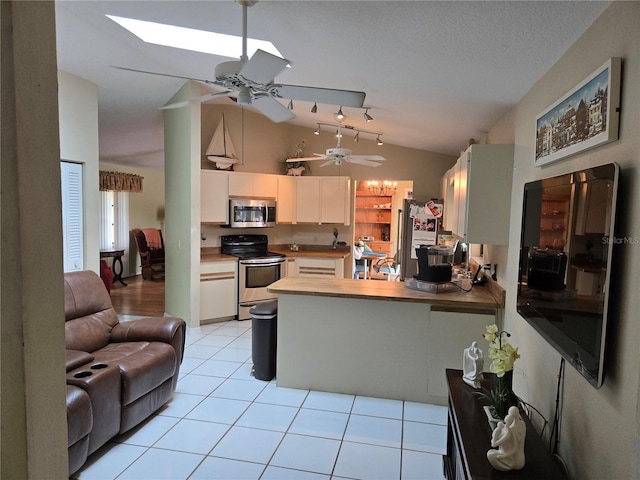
(78, 114)
(182, 214)
(599, 436)
(33, 431)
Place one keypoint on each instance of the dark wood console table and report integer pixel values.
(117, 260)
(469, 439)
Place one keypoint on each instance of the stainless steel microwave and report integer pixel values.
(252, 213)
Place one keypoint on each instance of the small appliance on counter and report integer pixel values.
(435, 266)
(435, 263)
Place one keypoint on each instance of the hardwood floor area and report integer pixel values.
(139, 297)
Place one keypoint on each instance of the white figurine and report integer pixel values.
(472, 365)
(508, 437)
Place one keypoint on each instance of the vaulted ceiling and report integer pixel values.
(436, 73)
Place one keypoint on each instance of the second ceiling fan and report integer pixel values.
(338, 154)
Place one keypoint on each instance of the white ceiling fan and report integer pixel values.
(251, 81)
(335, 156)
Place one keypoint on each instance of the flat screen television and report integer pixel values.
(565, 263)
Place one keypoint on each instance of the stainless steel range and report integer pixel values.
(257, 269)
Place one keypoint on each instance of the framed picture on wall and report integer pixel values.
(585, 117)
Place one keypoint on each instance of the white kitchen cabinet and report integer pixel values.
(482, 194)
(449, 334)
(218, 290)
(291, 267)
(214, 196)
(450, 199)
(319, 267)
(322, 200)
(253, 185)
(285, 200)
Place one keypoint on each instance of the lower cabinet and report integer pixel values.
(318, 267)
(218, 291)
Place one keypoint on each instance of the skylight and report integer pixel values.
(194, 40)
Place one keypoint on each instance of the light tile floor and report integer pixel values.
(223, 424)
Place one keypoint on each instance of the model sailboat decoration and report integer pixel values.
(220, 150)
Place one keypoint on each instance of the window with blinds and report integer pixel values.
(72, 216)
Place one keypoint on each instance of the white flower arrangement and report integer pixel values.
(503, 356)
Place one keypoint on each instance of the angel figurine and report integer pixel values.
(508, 437)
(472, 365)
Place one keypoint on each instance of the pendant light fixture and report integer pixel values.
(314, 109)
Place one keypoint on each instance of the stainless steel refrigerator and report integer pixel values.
(420, 222)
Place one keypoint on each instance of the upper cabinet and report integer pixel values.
(314, 200)
(214, 196)
(285, 212)
(480, 183)
(253, 185)
(322, 200)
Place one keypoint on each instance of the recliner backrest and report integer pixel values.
(89, 314)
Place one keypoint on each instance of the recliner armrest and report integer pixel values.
(153, 329)
(77, 358)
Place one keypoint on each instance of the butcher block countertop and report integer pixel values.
(317, 251)
(212, 254)
(478, 300)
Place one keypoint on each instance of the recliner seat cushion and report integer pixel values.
(143, 366)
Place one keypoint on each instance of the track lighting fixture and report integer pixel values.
(314, 109)
(367, 117)
(290, 106)
(342, 128)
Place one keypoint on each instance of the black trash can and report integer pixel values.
(264, 323)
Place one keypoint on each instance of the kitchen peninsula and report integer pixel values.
(377, 338)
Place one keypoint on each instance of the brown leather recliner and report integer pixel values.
(128, 370)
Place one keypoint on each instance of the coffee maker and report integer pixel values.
(435, 263)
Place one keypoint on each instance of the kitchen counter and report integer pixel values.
(318, 251)
(376, 338)
(212, 254)
(478, 300)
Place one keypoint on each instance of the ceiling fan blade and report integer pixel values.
(208, 82)
(330, 162)
(377, 158)
(262, 67)
(362, 161)
(203, 98)
(272, 109)
(307, 159)
(346, 98)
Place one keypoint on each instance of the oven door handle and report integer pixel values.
(262, 261)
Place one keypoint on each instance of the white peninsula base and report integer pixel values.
(373, 347)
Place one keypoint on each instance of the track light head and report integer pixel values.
(317, 130)
(314, 109)
(367, 117)
(356, 139)
(290, 106)
(379, 141)
(339, 116)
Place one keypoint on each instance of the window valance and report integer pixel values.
(120, 182)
